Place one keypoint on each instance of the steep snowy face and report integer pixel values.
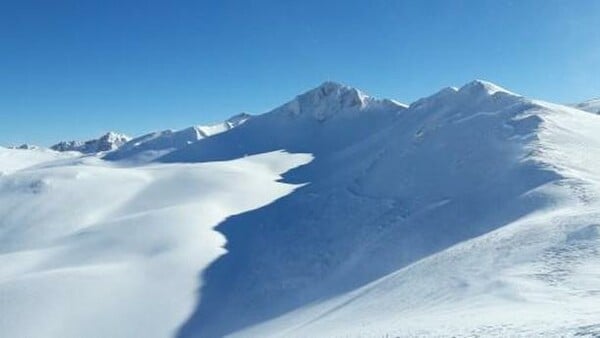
(153, 145)
(107, 142)
(592, 106)
(12, 159)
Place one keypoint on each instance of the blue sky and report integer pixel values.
(74, 69)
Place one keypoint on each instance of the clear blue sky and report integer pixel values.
(74, 69)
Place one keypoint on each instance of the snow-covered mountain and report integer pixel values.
(322, 120)
(150, 146)
(25, 146)
(592, 106)
(471, 212)
(107, 142)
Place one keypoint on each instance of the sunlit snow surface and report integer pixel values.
(90, 249)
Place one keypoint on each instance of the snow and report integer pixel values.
(107, 142)
(471, 212)
(89, 249)
(153, 145)
(592, 106)
(537, 275)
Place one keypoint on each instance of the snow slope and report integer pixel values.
(90, 249)
(389, 187)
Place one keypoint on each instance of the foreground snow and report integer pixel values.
(90, 249)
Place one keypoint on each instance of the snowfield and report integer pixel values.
(90, 249)
(472, 212)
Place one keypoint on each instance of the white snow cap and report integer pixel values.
(330, 98)
(468, 94)
(484, 86)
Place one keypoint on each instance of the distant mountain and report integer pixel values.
(592, 106)
(107, 142)
(150, 146)
(24, 146)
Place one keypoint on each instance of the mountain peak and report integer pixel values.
(330, 98)
(330, 90)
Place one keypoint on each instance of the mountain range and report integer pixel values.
(469, 212)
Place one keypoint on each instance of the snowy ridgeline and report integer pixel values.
(473, 211)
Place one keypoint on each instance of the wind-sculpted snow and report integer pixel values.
(536, 275)
(89, 249)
